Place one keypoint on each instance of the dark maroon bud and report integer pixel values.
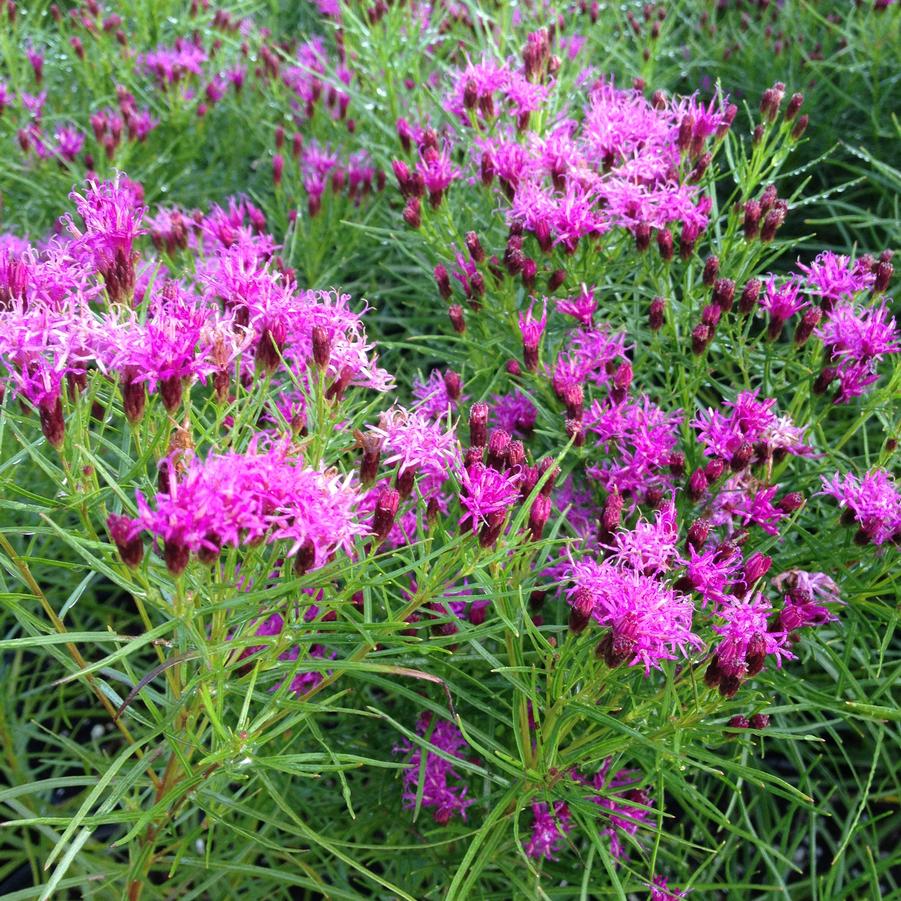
(771, 224)
(322, 346)
(278, 167)
(698, 532)
(760, 721)
(622, 379)
(385, 512)
(126, 535)
(573, 397)
(756, 654)
(800, 126)
(713, 675)
(578, 621)
(478, 425)
(305, 558)
(642, 236)
(728, 118)
(771, 101)
(677, 463)
(700, 338)
(768, 198)
(612, 515)
(516, 454)
(756, 567)
(665, 244)
(751, 222)
(443, 281)
(575, 431)
(739, 722)
(413, 213)
(513, 368)
(809, 321)
(724, 293)
(700, 167)
(455, 313)
(656, 314)
(416, 186)
(339, 386)
(53, 424)
(793, 107)
(697, 485)
(687, 238)
(742, 457)
(453, 384)
(528, 480)
(556, 279)
(432, 511)
(470, 94)
(757, 136)
(729, 686)
(884, 272)
(749, 297)
(529, 272)
(488, 169)
(623, 639)
(537, 599)
(653, 497)
(710, 316)
(371, 446)
(686, 130)
(791, 502)
(404, 480)
(714, 469)
(538, 516)
(498, 443)
(176, 557)
(547, 465)
(491, 530)
(824, 380)
(472, 456)
(474, 246)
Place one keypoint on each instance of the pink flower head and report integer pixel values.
(437, 172)
(513, 412)
(874, 501)
(581, 307)
(833, 276)
(69, 142)
(624, 803)
(433, 399)
(782, 301)
(649, 622)
(486, 495)
(415, 442)
(532, 329)
(549, 828)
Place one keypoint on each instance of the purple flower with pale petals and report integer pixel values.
(415, 442)
(873, 500)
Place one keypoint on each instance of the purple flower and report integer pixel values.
(649, 621)
(236, 499)
(531, 330)
(486, 495)
(581, 307)
(874, 502)
(549, 829)
(432, 397)
(746, 639)
(782, 301)
(513, 412)
(417, 443)
(833, 276)
(441, 783)
(623, 801)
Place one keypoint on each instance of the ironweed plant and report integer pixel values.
(448, 450)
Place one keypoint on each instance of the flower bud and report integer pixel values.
(749, 296)
(759, 721)
(794, 105)
(771, 224)
(371, 445)
(724, 294)
(498, 443)
(665, 244)
(556, 279)
(698, 532)
(455, 313)
(656, 313)
(884, 270)
(700, 338)
(739, 722)
(474, 246)
(322, 346)
(126, 535)
(538, 515)
(742, 457)
(676, 463)
(413, 213)
(809, 321)
(751, 222)
(697, 485)
(478, 425)
(443, 281)
(714, 469)
(791, 502)
(756, 567)
(642, 236)
(756, 654)
(800, 127)
(384, 514)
